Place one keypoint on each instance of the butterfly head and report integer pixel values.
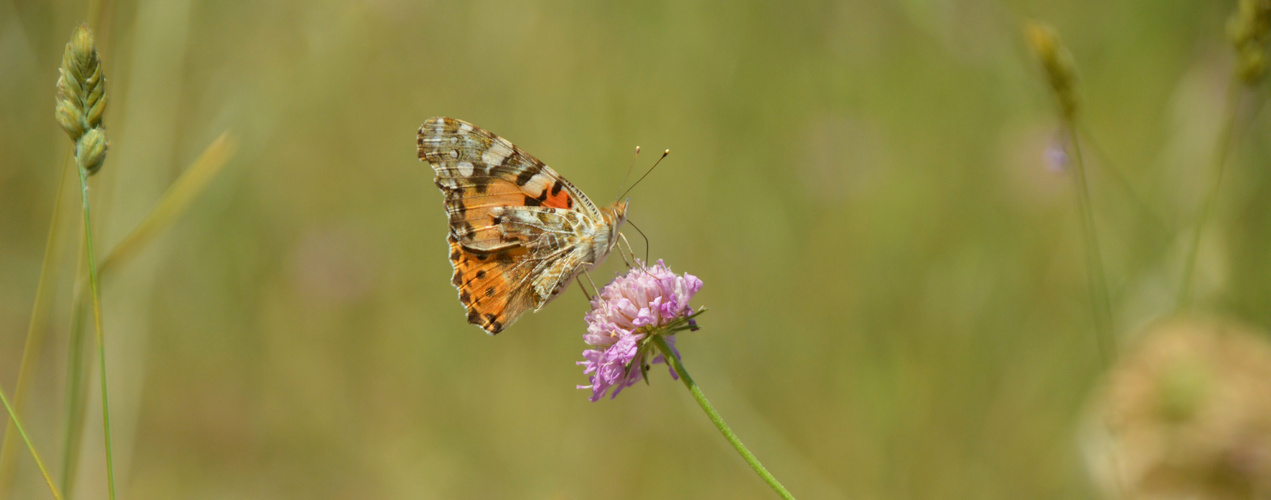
(614, 216)
(616, 213)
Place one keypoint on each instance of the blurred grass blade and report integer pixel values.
(36, 329)
(175, 201)
(13, 417)
(1061, 74)
(76, 396)
(1147, 211)
(1221, 151)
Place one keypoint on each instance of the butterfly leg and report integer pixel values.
(623, 237)
(583, 288)
(623, 254)
(593, 284)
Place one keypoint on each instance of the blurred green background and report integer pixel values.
(894, 271)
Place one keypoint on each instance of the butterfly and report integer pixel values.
(519, 232)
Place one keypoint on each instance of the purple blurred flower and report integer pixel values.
(647, 300)
(1057, 153)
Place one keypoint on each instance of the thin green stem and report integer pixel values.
(1100, 301)
(13, 416)
(717, 420)
(76, 396)
(1185, 291)
(174, 202)
(95, 291)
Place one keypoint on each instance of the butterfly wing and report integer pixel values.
(489, 284)
(484, 179)
(479, 171)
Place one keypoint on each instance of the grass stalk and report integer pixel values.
(76, 395)
(1186, 289)
(1100, 300)
(94, 290)
(37, 328)
(17, 423)
(172, 205)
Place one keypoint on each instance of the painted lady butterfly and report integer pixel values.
(519, 232)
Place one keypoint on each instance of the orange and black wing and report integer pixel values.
(480, 174)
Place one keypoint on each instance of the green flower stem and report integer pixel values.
(95, 291)
(1100, 302)
(1185, 291)
(13, 417)
(717, 420)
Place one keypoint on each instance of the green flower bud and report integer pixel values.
(70, 119)
(90, 150)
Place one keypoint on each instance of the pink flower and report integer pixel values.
(647, 300)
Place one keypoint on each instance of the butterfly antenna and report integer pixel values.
(630, 167)
(646, 174)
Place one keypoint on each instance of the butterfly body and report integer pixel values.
(519, 232)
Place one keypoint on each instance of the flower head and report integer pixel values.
(646, 301)
(1057, 153)
(1185, 414)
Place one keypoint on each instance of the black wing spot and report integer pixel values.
(463, 228)
(489, 292)
(481, 274)
(556, 186)
(532, 202)
(527, 174)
